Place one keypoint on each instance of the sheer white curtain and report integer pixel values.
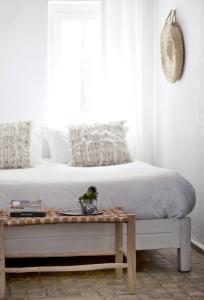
(100, 66)
(124, 24)
(74, 61)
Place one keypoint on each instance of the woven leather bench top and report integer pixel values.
(114, 215)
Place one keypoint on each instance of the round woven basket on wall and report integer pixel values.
(172, 48)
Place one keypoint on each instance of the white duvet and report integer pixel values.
(149, 192)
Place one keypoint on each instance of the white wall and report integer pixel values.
(180, 122)
(23, 59)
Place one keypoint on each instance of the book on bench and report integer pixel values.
(25, 213)
(26, 209)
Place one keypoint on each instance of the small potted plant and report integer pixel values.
(88, 201)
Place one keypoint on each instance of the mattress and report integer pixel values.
(145, 190)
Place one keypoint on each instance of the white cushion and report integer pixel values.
(59, 145)
(98, 144)
(15, 141)
(36, 146)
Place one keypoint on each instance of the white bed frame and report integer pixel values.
(97, 239)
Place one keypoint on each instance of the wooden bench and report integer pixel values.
(116, 216)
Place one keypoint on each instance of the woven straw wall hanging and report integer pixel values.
(172, 48)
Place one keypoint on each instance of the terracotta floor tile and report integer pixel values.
(157, 278)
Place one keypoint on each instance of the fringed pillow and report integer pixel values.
(15, 141)
(98, 144)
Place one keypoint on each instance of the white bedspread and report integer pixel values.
(149, 192)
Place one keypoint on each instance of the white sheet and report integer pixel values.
(149, 192)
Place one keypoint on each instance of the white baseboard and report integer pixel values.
(199, 245)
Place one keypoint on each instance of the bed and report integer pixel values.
(160, 198)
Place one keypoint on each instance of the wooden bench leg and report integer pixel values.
(119, 248)
(2, 263)
(131, 255)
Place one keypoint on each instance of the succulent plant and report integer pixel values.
(91, 194)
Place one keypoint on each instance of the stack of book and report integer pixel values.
(23, 209)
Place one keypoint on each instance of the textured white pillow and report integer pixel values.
(15, 141)
(36, 145)
(98, 144)
(59, 145)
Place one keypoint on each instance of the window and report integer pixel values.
(74, 67)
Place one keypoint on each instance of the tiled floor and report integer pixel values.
(157, 278)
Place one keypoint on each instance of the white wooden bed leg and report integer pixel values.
(184, 252)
